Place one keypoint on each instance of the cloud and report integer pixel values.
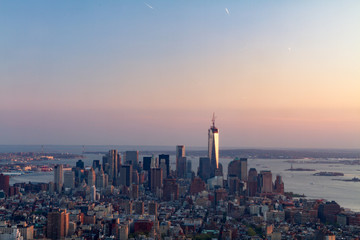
(148, 5)
(227, 11)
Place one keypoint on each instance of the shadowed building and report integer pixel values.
(238, 168)
(111, 165)
(69, 179)
(265, 182)
(204, 168)
(125, 175)
(132, 157)
(252, 184)
(171, 189)
(58, 177)
(156, 179)
(4, 183)
(279, 185)
(147, 163)
(164, 163)
(57, 224)
(180, 153)
(197, 186)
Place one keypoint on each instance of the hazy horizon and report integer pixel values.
(277, 74)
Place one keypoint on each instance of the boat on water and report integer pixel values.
(328, 174)
(13, 173)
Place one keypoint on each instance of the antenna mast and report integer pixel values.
(213, 120)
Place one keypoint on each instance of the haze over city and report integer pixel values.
(279, 74)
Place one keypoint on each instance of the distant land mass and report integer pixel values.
(262, 153)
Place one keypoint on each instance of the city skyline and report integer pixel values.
(279, 75)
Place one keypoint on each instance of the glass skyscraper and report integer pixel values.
(213, 147)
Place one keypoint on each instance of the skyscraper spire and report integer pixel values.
(213, 120)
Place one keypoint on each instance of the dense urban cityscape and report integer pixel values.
(124, 197)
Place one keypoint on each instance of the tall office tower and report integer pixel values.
(96, 164)
(111, 164)
(244, 169)
(204, 168)
(126, 175)
(279, 185)
(58, 177)
(235, 185)
(162, 165)
(91, 177)
(213, 148)
(146, 163)
(78, 175)
(152, 208)
(171, 189)
(165, 159)
(139, 208)
(188, 167)
(156, 179)
(69, 179)
(154, 162)
(181, 170)
(100, 179)
(180, 153)
(252, 185)
(93, 193)
(4, 183)
(135, 177)
(80, 164)
(265, 181)
(238, 168)
(132, 157)
(57, 224)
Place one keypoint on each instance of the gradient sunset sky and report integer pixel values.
(276, 73)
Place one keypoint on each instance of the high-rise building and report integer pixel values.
(4, 183)
(252, 184)
(100, 179)
(180, 153)
(80, 164)
(93, 193)
(279, 185)
(111, 165)
(265, 181)
(91, 177)
(146, 163)
(69, 179)
(126, 175)
(57, 224)
(204, 168)
(96, 164)
(156, 179)
(164, 160)
(132, 157)
(238, 168)
(213, 148)
(171, 189)
(181, 170)
(58, 177)
(188, 168)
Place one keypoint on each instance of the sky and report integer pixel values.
(282, 74)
